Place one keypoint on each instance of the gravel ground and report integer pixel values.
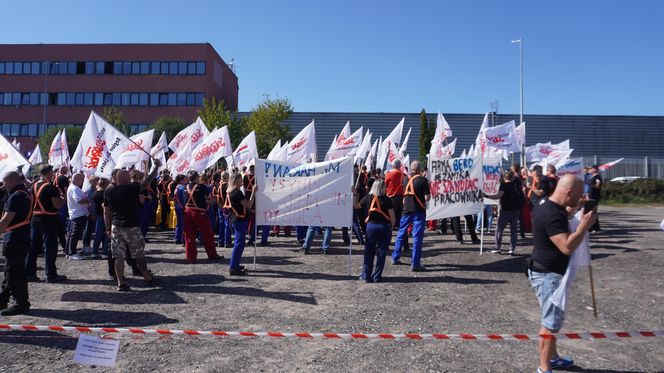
(462, 292)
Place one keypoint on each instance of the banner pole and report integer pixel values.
(350, 251)
(482, 232)
(255, 237)
(592, 290)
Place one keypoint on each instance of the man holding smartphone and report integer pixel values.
(553, 244)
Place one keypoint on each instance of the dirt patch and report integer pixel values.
(288, 291)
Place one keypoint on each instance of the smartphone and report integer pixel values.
(589, 205)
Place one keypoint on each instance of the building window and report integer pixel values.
(182, 99)
(200, 68)
(24, 130)
(117, 99)
(172, 99)
(32, 130)
(154, 67)
(25, 99)
(6, 129)
(34, 98)
(126, 68)
(79, 99)
(87, 99)
(8, 99)
(16, 98)
(62, 99)
(2, 98)
(135, 67)
(16, 130)
(26, 68)
(35, 68)
(18, 68)
(125, 99)
(164, 67)
(108, 99)
(133, 99)
(62, 68)
(172, 68)
(70, 99)
(2, 67)
(182, 68)
(100, 68)
(145, 67)
(191, 98)
(9, 68)
(191, 68)
(117, 68)
(71, 68)
(143, 99)
(89, 68)
(42, 129)
(154, 99)
(99, 99)
(163, 99)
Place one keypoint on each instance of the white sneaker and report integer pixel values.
(511, 252)
(74, 257)
(495, 251)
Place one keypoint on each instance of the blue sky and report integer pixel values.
(581, 57)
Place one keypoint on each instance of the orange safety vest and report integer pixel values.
(410, 191)
(228, 205)
(250, 183)
(25, 221)
(220, 192)
(38, 208)
(191, 202)
(534, 186)
(375, 207)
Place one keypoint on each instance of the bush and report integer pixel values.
(638, 191)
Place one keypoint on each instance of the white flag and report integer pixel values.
(502, 137)
(135, 152)
(302, 148)
(371, 157)
(186, 141)
(215, 146)
(480, 142)
(100, 146)
(246, 151)
(346, 146)
(580, 258)
(364, 148)
(521, 133)
(404, 143)
(35, 158)
(606, 166)
(282, 154)
(65, 148)
(571, 166)
(159, 150)
(393, 138)
(274, 151)
(55, 152)
(345, 132)
(10, 158)
(329, 150)
(446, 151)
(443, 129)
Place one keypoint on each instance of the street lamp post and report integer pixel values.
(521, 42)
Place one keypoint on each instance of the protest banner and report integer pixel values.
(491, 170)
(135, 152)
(571, 166)
(99, 147)
(311, 194)
(456, 187)
(503, 137)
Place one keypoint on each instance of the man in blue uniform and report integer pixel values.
(416, 195)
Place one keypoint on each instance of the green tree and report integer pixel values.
(267, 120)
(117, 118)
(425, 136)
(73, 136)
(214, 114)
(171, 125)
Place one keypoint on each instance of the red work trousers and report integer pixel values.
(196, 221)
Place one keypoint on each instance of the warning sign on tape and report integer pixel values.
(383, 336)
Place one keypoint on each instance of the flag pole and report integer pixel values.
(350, 252)
(482, 223)
(592, 290)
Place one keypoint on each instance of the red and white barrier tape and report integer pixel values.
(409, 336)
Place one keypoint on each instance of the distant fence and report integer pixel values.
(643, 167)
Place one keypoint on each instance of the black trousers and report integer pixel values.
(15, 282)
(75, 233)
(458, 232)
(165, 210)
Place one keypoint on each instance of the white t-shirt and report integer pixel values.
(74, 195)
